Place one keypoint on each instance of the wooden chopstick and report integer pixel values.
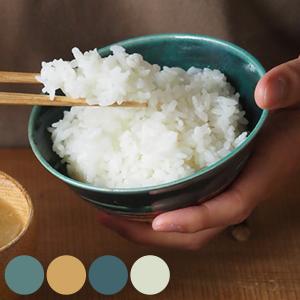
(9, 98)
(18, 77)
(43, 100)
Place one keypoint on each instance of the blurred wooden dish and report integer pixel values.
(16, 211)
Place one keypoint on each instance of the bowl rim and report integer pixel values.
(140, 40)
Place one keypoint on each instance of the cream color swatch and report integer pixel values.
(150, 275)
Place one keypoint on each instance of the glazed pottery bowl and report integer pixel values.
(180, 50)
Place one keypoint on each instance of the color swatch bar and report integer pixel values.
(107, 275)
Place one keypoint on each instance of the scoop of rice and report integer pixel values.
(192, 120)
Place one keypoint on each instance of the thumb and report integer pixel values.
(280, 87)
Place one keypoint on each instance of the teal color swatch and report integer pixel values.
(24, 275)
(108, 275)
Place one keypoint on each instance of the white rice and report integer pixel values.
(193, 119)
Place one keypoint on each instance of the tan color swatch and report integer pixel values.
(66, 275)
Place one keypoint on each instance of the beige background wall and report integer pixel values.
(35, 30)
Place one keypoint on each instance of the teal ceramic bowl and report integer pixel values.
(181, 50)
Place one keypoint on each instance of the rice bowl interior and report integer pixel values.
(193, 119)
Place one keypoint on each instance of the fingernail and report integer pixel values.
(159, 225)
(275, 91)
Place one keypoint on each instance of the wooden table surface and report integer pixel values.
(265, 267)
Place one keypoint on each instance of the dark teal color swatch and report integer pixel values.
(108, 275)
(24, 275)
